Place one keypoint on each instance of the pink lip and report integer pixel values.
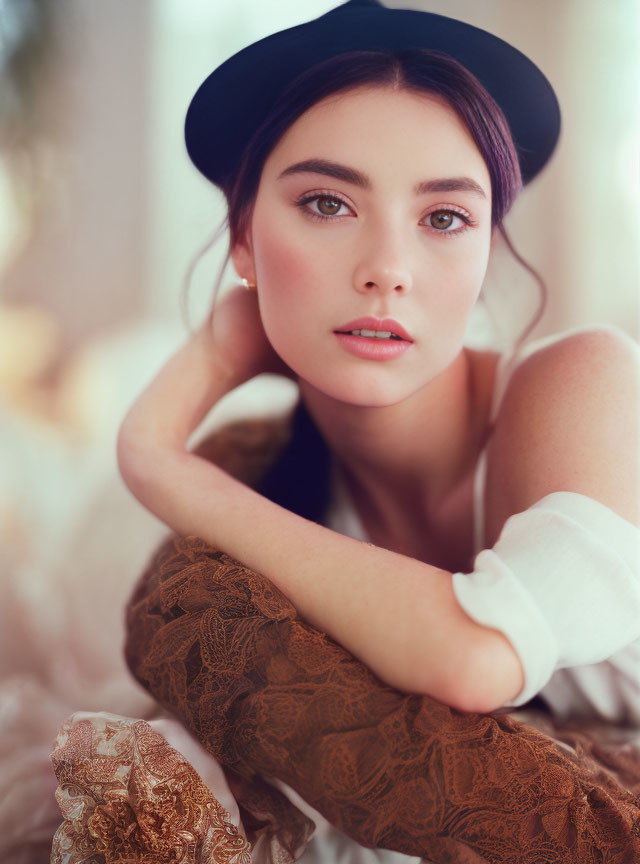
(372, 348)
(369, 323)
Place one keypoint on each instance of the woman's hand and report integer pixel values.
(238, 339)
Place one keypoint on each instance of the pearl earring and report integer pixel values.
(248, 285)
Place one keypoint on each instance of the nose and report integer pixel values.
(384, 267)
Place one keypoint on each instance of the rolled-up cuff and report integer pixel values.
(562, 583)
(494, 598)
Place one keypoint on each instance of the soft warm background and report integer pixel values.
(100, 215)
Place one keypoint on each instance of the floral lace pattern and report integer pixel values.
(270, 696)
(127, 796)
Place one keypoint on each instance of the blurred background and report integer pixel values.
(101, 214)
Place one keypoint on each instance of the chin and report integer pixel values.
(364, 391)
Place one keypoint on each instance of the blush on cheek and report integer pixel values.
(282, 266)
(287, 276)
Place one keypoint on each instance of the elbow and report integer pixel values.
(489, 676)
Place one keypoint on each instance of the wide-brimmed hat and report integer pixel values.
(234, 99)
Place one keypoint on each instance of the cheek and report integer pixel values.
(281, 263)
(461, 279)
(287, 276)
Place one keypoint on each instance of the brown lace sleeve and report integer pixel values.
(268, 694)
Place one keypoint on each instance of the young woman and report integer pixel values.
(374, 210)
(368, 159)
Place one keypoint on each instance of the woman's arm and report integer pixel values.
(398, 615)
(266, 693)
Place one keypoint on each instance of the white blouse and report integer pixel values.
(562, 583)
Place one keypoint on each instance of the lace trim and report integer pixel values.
(127, 796)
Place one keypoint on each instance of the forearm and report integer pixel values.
(398, 615)
(177, 400)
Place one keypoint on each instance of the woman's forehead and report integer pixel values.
(381, 131)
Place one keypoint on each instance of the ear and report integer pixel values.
(242, 257)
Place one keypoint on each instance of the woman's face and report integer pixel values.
(375, 204)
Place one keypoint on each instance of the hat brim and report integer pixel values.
(236, 97)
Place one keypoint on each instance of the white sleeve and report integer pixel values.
(562, 583)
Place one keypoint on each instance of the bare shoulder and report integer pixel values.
(569, 421)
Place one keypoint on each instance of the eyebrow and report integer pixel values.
(357, 178)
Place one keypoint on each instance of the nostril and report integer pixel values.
(370, 284)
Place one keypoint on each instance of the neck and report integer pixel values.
(414, 452)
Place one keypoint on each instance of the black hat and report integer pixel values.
(232, 102)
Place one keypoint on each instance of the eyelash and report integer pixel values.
(317, 196)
